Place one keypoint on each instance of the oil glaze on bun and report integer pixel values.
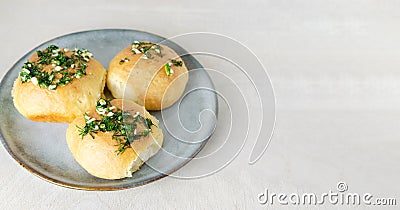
(57, 85)
(152, 75)
(103, 150)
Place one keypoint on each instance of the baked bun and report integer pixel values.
(152, 75)
(57, 85)
(104, 151)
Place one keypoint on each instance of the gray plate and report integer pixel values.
(41, 147)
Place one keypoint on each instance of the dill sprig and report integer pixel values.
(121, 123)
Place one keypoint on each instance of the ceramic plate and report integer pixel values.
(41, 148)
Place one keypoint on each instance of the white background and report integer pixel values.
(335, 66)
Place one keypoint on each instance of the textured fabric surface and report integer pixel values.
(335, 69)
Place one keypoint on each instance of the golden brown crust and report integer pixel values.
(144, 80)
(98, 155)
(66, 102)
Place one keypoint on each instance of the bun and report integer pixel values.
(98, 154)
(145, 81)
(64, 103)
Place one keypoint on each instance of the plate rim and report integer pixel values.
(88, 188)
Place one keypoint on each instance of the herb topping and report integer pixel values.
(168, 70)
(122, 123)
(64, 68)
(146, 48)
(123, 61)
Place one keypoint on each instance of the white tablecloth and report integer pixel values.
(335, 66)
